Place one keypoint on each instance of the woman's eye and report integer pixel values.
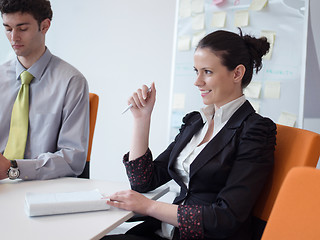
(207, 71)
(23, 29)
(196, 71)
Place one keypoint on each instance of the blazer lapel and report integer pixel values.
(186, 136)
(222, 138)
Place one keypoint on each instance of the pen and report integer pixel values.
(130, 106)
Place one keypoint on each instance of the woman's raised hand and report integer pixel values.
(143, 101)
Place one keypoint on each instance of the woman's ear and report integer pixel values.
(239, 72)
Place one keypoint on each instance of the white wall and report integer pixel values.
(118, 46)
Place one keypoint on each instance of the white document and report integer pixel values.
(37, 204)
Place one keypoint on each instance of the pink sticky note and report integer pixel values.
(218, 1)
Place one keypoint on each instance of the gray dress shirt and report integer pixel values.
(58, 117)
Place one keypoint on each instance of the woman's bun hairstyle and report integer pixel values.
(257, 47)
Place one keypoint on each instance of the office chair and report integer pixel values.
(295, 147)
(296, 212)
(94, 102)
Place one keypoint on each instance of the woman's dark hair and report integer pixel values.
(39, 9)
(234, 49)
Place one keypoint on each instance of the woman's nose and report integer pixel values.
(199, 80)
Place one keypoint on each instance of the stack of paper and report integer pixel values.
(38, 204)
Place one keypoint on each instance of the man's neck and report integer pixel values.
(28, 61)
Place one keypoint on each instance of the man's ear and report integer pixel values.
(45, 25)
(239, 72)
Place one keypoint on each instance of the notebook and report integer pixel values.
(38, 204)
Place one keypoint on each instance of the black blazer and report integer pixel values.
(228, 174)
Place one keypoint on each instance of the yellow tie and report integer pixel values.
(19, 121)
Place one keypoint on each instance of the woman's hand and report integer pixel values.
(130, 200)
(133, 201)
(143, 101)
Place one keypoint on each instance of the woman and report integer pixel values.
(221, 158)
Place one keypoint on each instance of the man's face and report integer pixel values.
(23, 33)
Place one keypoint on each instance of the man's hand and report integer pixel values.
(4, 167)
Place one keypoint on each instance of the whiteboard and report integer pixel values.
(285, 69)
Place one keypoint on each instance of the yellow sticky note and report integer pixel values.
(219, 19)
(272, 90)
(197, 37)
(241, 18)
(184, 43)
(253, 90)
(271, 36)
(287, 119)
(178, 101)
(198, 22)
(256, 106)
(185, 8)
(197, 6)
(257, 5)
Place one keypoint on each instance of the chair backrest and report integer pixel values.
(94, 102)
(295, 147)
(296, 212)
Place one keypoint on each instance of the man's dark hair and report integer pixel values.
(39, 9)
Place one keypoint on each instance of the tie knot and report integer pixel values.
(26, 77)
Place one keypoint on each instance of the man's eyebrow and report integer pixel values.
(18, 25)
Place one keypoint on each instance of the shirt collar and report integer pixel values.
(226, 111)
(37, 68)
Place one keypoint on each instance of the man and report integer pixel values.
(57, 127)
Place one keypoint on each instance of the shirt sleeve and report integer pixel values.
(68, 159)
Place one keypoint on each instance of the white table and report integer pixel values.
(15, 224)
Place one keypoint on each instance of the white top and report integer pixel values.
(192, 149)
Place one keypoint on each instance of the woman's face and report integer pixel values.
(216, 83)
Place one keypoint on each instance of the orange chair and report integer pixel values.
(94, 102)
(295, 147)
(296, 212)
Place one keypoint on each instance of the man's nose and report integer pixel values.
(15, 35)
